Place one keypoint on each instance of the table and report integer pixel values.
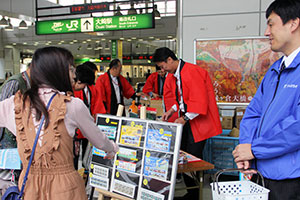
(194, 167)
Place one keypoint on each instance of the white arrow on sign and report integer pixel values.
(87, 24)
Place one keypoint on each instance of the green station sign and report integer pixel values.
(94, 24)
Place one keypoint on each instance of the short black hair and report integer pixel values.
(162, 54)
(85, 74)
(91, 65)
(157, 68)
(114, 63)
(285, 9)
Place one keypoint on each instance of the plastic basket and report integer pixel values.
(238, 190)
(218, 151)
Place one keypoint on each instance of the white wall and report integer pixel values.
(202, 19)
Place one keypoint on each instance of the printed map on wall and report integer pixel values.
(236, 67)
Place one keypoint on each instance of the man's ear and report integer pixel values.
(295, 24)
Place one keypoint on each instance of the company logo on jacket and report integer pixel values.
(290, 86)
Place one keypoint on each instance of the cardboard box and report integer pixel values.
(227, 122)
(158, 105)
(239, 113)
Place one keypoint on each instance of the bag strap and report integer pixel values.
(33, 148)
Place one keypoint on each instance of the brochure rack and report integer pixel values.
(146, 165)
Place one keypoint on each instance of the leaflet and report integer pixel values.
(127, 153)
(158, 139)
(10, 159)
(156, 167)
(131, 135)
(127, 166)
(109, 131)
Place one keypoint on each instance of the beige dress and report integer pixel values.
(52, 175)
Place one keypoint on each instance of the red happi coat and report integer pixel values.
(169, 96)
(199, 97)
(151, 84)
(103, 86)
(95, 107)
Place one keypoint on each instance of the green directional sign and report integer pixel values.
(93, 24)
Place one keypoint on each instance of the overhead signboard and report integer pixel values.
(89, 8)
(93, 24)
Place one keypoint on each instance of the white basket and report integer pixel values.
(238, 190)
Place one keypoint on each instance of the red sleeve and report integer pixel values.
(101, 96)
(97, 105)
(196, 98)
(170, 96)
(150, 83)
(126, 87)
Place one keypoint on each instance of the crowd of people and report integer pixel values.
(269, 130)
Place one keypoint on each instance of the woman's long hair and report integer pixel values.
(50, 68)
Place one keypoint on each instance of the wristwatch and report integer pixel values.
(185, 118)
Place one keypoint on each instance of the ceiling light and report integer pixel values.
(141, 10)
(9, 27)
(118, 13)
(103, 39)
(3, 22)
(133, 38)
(151, 37)
(23, 25)
(141, 40)
(24, 43)
(121, 38)
(89, 47)
(83, 42)
(156, 12)
(88, 40)
(106, 46)
(75, 40)
(132, 10)
(14, 44)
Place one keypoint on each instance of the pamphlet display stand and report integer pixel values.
(146, 165)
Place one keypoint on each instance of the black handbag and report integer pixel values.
(13, 193)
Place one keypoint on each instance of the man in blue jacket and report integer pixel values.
(270, 129)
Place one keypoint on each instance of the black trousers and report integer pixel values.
(288, 189)
(188, 145)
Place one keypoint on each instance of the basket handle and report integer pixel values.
(218, 173)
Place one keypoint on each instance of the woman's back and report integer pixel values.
(52, 174)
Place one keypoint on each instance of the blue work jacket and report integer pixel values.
(272, 123)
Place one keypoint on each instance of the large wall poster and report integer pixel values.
(146, 165)
(236, 66)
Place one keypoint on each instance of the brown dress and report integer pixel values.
(52, 175)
